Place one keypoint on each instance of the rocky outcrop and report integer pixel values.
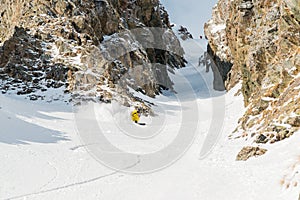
(248, 152)
(93, 48)
(262, 41)
(184, 33)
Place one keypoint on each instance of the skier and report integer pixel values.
(135, 115)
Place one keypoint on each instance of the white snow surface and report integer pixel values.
(43, 157)
(218, 28)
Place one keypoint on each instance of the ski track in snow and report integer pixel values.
(43, 156)
(64, 187)
(69, 185)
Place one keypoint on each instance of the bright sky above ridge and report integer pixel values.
(190, 13)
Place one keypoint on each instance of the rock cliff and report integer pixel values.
(260, 42)
(87, 47)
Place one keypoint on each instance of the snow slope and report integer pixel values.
(44, 156)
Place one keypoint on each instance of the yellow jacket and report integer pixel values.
(135, 116)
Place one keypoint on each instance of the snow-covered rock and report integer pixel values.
(261, 41)
(86, 47)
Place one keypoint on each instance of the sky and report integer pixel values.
(190, 13)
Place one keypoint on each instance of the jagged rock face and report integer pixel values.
(262, 41)
(26, 68)
(82, 43)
